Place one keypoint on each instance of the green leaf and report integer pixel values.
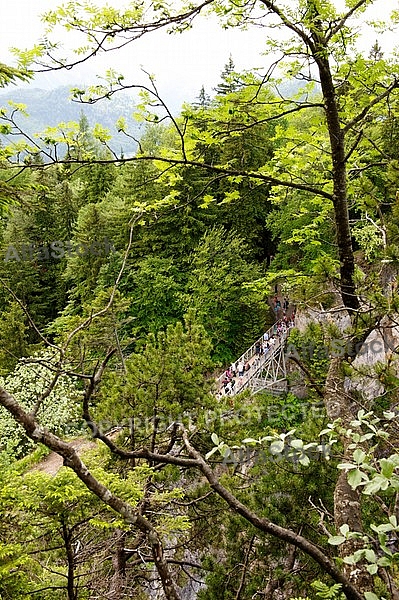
(230, 196)
(383, 528)
(344, 529)
(225, 451)
(375, 485)
(372, 569)
(389, 415)
(346, 466)
(359, 456)
(384, 561)
(206, 201)
(393, 520)
(355, 478)
(336, 540)
(215, 439)
(210, 453)
(276, 447)
(296, 443)
(370, 555)
(387, 467)
(371, 596)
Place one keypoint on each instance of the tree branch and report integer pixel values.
(289, 24)
(72, 460)
(372, 103)
(269, 527)
(342, 21)
(136, 31)
(192, 163)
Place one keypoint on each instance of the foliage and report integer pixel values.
(255, 177)
(29, 383)
(54, 528)
(13, 338)
(231, 314)
(163, 383)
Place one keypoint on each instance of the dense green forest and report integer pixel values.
(130, 283)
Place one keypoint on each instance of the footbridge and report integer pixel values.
(265, 368)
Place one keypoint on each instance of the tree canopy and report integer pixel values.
(131, 282)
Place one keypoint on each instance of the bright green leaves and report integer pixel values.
(355, 474)
(87, 16)
(13, 75)
(62, 133)
(52, 525)
(18, 107)
(101, 134)
(370, 237)
(121, 124)
(374, 477)
(277, 447)
(355, 477)
(207, 200)
(223, 449)
(352, 3)
(230, 196)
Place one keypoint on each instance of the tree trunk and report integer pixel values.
(71, 563)
(340, 200)
(347, 501)
(118, 582)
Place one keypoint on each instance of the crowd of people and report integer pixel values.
(238, 372)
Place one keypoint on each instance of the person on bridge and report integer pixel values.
(225, 382)
(229, 387)
(285, 304)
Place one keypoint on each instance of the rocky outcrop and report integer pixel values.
(379, 347)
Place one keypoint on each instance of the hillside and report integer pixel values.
(255, 235)
(47, 108)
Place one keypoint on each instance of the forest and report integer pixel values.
(130, 283)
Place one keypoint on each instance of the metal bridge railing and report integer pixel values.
(256, 361)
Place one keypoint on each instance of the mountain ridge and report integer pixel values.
(48, 108)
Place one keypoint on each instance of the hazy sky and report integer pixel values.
(181, 63)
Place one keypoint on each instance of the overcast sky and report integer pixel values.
(181, 63)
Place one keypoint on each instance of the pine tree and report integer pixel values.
(229, 82)
(203, 100)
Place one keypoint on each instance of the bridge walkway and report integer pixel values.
(265, 370)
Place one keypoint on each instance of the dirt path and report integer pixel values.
(53, 462)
